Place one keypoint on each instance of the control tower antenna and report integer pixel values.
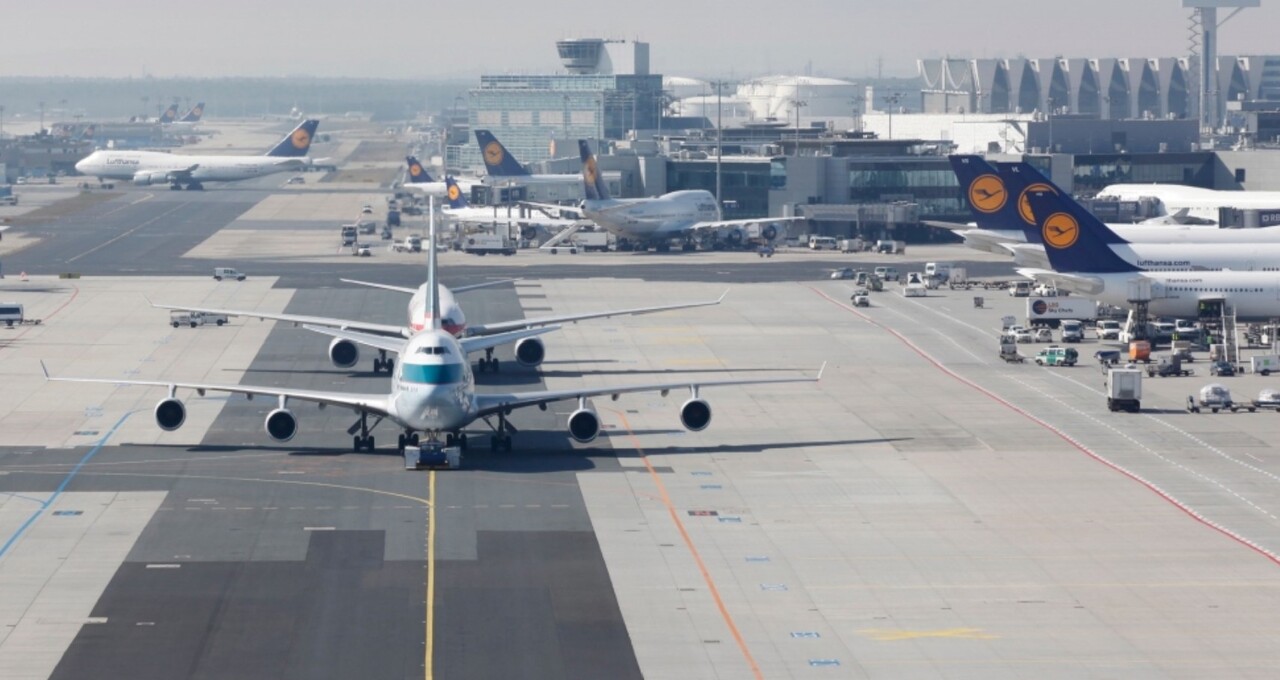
(1204, 44)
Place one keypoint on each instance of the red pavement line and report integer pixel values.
(1270, 556)
(75, 290)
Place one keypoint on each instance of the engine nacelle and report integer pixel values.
(695, 415)
(584, 425)
(148, 178)
(734, 237)
(769, 232)
(530, 352)
(528, 233)
(281, 424)
(343, 353)
(170, 414)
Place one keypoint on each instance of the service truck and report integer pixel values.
(484, 244)
(588, 241)
(1051, 312)
(7, 197)
(1124, 389)
(852, 245)
(349, 235)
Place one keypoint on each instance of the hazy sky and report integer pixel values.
(431, 38)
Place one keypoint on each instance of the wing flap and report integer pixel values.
(297, 319)
(504, 326)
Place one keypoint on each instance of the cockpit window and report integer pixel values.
(433, 350)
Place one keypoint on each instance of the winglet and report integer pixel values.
(45, 369)
(820, 372)
(723, 296)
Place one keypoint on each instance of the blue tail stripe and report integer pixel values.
(420, 176)
(298, 142)
(1073, 239)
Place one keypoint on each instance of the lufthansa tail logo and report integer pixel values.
(453, 192)
(301, 139)
(415, 170)
(493, 153)
(1024, 204)
(987, 194)
(1060, 231)
(589, 170)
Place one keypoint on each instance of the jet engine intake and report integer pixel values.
(170, 414)
(695, 415)
(584, 425)
(343, 353)
(281, 424)
(530, 352)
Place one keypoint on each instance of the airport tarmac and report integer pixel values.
(926, 510)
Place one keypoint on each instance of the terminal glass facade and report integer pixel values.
(744, 186)
(927, 181)
(1093, 172)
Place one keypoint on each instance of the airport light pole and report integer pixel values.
(892, 100)
(719, 85)
(1052, 103)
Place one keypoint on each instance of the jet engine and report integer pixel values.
(584, 425)
(343, 353)
(148, 178)
(530, 352)
(170, 414)
(695, 415)
(528, 233)
(769, 232)
(733, 237)
(281, 424)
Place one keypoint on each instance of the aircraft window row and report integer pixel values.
(433, 350)
(1199, 289)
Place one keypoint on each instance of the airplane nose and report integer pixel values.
(82, 165)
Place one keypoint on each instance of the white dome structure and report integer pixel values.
(681, 87)
(775, 97)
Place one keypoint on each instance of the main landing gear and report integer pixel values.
(501, 439)
(382, 363)
(488, 363)
(363, 441)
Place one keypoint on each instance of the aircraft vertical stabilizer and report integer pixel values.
(498, 162)
(298, 142)
(417, 172)
(593, 186)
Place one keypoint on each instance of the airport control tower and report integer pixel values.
(1204, 52)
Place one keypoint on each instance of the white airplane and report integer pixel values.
(1200, 203)
(529, 350)
(456, 209)
(432, 392)
(188, 121)
(501, 167)
(1002, 224)
(656, 221)
(1083, 262)
(418, 179)
(177, 170)
(1202, 249)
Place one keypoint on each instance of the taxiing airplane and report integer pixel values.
(433, 393)
(1079, 247)
(177, 170)
(691, 215)
(529, 350)
(1204, 249)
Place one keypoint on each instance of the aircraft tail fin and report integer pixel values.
(1074, 240)
(498, 162)
(298, 142)
(453, 194)
(170, 114)
(593, 186)
(194, 115)
(417, 173)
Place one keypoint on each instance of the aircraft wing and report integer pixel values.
(369, 403)
(488, 404)
(184, 173)
(504, 326)
(949, 226)
(720, 224)
(299, 319)
(411, 291)
(552, 206)
(1029, 255)
(469, 345)
(1076, 283)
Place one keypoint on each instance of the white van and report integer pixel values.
(220, 273)
(822, 243)
(938, 270)
(1020, 289)
(10, 313)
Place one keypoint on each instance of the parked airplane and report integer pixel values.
(502, 166)
(1198, 202)
(657, 221)
(456, 209)
(529, 350)
(187, 121)
(1002, 220)
(177, 170)
(1235, 249)
(418, 179)
(432, 392)
(1079, 248)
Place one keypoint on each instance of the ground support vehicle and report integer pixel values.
(1169, 367)
(1124, 390)
(1215, 397)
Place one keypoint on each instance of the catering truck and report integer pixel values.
(1051, 311)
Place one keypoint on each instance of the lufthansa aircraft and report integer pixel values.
(657, 221)
(177, 170)
(1078, 246)
(432, 392)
